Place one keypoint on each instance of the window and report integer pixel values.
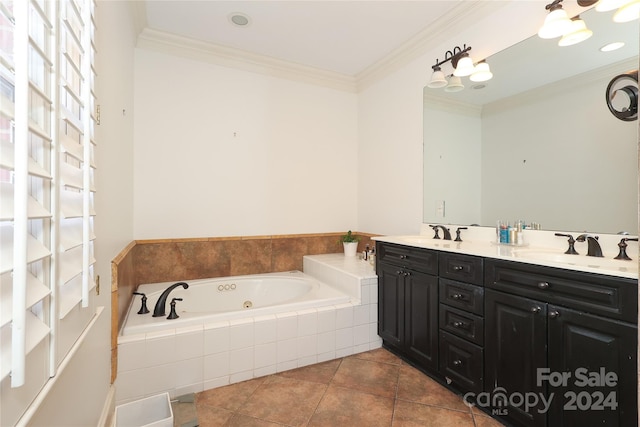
(47, 189)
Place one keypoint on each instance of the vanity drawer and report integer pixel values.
(610, 296)
(463, 324)
(461, 362)
(462, 295)
(423, 260)
(466, 268)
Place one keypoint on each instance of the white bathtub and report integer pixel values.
(227, 298)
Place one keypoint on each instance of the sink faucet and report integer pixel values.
(593, 248)
(162, 301)
(445, 230)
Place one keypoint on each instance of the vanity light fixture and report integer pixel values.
(462, 66)
(437, 78)
(627, 12)
(557, 22)
(607, 5)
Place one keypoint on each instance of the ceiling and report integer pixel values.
(354, 39)
(345, 37)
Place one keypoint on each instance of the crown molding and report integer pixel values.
(236, 58)
(455, 20)
(442, 103)
(568, 84)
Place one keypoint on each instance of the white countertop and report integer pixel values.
(550, 256)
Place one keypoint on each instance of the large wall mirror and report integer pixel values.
(538, 142)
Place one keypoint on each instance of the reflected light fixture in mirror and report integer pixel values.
(482, 73)
(628, 12)
(577, 33)
(455, 84)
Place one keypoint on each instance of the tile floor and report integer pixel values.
(369, 389)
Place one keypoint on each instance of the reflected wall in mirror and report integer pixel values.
(538, 143)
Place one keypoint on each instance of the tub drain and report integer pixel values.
(247, 304)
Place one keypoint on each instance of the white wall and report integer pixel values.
(223, 152)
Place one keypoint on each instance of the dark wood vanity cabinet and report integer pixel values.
(570, 337)
(461, 321)
(408, 302)
(562, 342)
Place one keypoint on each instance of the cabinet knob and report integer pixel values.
(543, 285)
(407, 273)
(458, 324)
(457, 296)
(457, 268)
(457, 362)
(535, 310)
(399, 272)
(553, 314)
(403, 257)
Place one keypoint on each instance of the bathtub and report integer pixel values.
(227, 298)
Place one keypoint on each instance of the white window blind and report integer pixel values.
(47, 187)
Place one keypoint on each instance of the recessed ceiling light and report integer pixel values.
(239, 19)
(479, 86)
(611, 46)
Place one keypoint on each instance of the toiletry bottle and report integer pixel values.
(504, 233)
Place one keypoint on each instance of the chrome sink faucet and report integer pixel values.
(161, 304)
(445, 230)
(593, 247)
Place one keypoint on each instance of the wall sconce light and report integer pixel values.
(462, 66)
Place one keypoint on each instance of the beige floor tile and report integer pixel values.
(345, 407)
(284, 400)
(417, 414)
(366, 376)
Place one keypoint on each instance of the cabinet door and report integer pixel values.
(515, 347)
(593, 353)
(390, 304)
(421, 319)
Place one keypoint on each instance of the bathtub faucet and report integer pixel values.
(162, 301)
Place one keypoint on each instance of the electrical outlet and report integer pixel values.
(440, 208)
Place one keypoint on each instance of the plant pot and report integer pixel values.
(350, 248)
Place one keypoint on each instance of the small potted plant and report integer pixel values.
(350, 243)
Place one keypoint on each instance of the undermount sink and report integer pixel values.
(581, 260)
(417, 239)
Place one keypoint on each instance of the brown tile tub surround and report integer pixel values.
(152, 261)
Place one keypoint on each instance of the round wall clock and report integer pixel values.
(622, 96)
